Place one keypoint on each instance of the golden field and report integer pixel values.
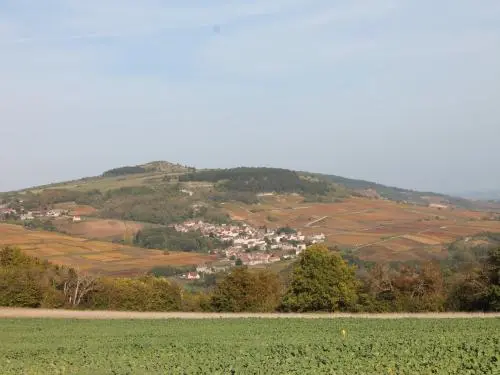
(98, 229)
(377, 230)
(97, 257)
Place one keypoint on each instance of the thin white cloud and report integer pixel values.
(120, 19)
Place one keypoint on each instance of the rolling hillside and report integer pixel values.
(103, 258)
(362, 187)
(372, 221)
(371, 229)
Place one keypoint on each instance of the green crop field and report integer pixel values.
(250, 346)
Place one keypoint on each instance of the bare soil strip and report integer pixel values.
(76, 314)
(316, 221)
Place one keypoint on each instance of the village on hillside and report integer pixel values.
(243, 244)
(7, 212)
(247, 245)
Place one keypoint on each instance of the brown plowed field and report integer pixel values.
(76, 209)
(401, 244)
(101, 229)
(99, 257)
(376, 253)
(360, 222)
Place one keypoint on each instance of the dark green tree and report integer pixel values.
(244, 290)
(321, 281)
(493, 275)
(28, 282)
(478, 289)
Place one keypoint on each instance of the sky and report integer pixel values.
(402, 92)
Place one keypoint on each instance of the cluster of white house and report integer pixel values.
(31, 215)
(249, 245)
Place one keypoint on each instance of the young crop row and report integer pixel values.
(251, 346)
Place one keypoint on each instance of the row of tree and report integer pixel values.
(123, 171)
(320, 280)
(169, 238)
(29, 282)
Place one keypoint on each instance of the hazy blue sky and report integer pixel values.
(404, 92)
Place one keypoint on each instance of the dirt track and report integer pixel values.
(75, 314)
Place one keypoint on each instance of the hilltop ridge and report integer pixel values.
(151, 167)
(257, 180)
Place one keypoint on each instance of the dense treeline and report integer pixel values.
(41, 224)
(163, 205)
(167, 271)
(320, 280)
(147, 293)
(45, 199)
(472, 251)
(29, 282)
(169, 238)
(242, 290)
(94, 198)
(259, 180)
(155, 210)
(121, 171)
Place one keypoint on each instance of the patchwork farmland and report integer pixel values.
(376, 230)
(103, 258)
(98, 229)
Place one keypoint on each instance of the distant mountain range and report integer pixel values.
(485, 195)
(376, 190)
